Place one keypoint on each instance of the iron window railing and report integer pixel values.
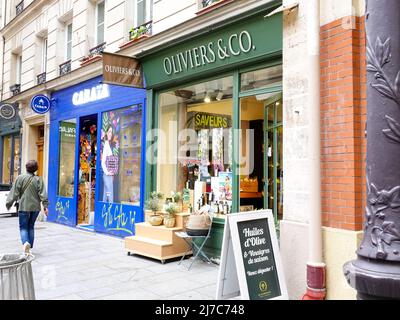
(19, 8)
(15, 89)
(98, 49)
(65, 68)
(206, 3)
(41, 78)
(145, 28)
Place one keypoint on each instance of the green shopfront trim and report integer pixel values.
(245, 45)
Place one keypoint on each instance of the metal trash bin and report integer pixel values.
(16, 277)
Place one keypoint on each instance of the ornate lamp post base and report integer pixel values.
(376, 272)
(373, 280)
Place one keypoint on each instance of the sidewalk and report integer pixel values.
(72, 264)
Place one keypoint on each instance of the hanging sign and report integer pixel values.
(121, 70)
(7, 111)
(251, 266)
(209, 121)
(40, 104)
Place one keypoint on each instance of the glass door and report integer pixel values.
(273, 157)
(87, 169)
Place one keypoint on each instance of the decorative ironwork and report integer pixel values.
(15, 89)
(207, 3)
(375, 274)
(65, 68)
(41, 78)
(98, 50)
(144, 29)
(19, 8)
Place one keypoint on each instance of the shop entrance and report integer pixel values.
(87, 170)
(261, 174)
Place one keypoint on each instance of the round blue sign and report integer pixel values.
(40, 104)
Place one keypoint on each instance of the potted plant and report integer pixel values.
(177, 199)
(153, 204)
(169, 218)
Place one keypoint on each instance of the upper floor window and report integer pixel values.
(18, 69)
(100, 15)
(68, 42)
(44, 56)
(143, 11)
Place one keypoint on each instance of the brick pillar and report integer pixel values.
(343, 115)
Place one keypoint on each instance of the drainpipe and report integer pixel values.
(315, 266)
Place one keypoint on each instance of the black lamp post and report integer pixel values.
(376, 272)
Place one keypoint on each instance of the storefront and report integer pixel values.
(96, 161)
(10, 145)
(216, 101)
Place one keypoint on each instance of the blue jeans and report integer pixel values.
(108, 190)
(27, 226)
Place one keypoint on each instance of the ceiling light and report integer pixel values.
(220, 96)
(207, 98)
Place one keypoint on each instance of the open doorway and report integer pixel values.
(261, 181)
(87, 170)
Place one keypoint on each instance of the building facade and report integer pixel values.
(260, 85)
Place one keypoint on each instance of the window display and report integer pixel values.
(195, 143)
(6, 173)
(67, 142)
(87, 168)
(121, 136)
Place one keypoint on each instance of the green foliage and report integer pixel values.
(171, 209)
(176, 196)
(154, 202)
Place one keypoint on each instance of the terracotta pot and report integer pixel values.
(169, 222)
(156, 220)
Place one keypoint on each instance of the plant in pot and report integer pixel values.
(169, 218)
(177, 199)
(153, 204)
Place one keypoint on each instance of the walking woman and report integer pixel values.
(28, 191)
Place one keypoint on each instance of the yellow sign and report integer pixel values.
(208, 121)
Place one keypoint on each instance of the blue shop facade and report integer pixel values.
(97, 157)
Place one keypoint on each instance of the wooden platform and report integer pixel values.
(158, 242)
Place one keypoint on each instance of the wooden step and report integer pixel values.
(156, 249)
(162, 233)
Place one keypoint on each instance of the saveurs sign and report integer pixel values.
(222, 49)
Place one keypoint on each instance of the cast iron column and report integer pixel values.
(376, 272)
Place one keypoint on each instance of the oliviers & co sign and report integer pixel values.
(249, 40)
(222, 49)
(122, 70)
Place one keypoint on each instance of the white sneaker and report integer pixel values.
(27, 248)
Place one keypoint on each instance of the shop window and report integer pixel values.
(121, 148)
(262, 79)
(11, 161)
(194, 144)
(7, 150)
(67, 141)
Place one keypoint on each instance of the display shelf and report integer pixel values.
(158, 242)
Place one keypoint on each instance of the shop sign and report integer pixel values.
(250, 40)
(40, 104)
(209, 121)
(93, 94)
(251, 266)
(7, 112)
(122, 70)
(222, 49)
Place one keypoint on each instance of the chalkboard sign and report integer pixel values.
(250, 261)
